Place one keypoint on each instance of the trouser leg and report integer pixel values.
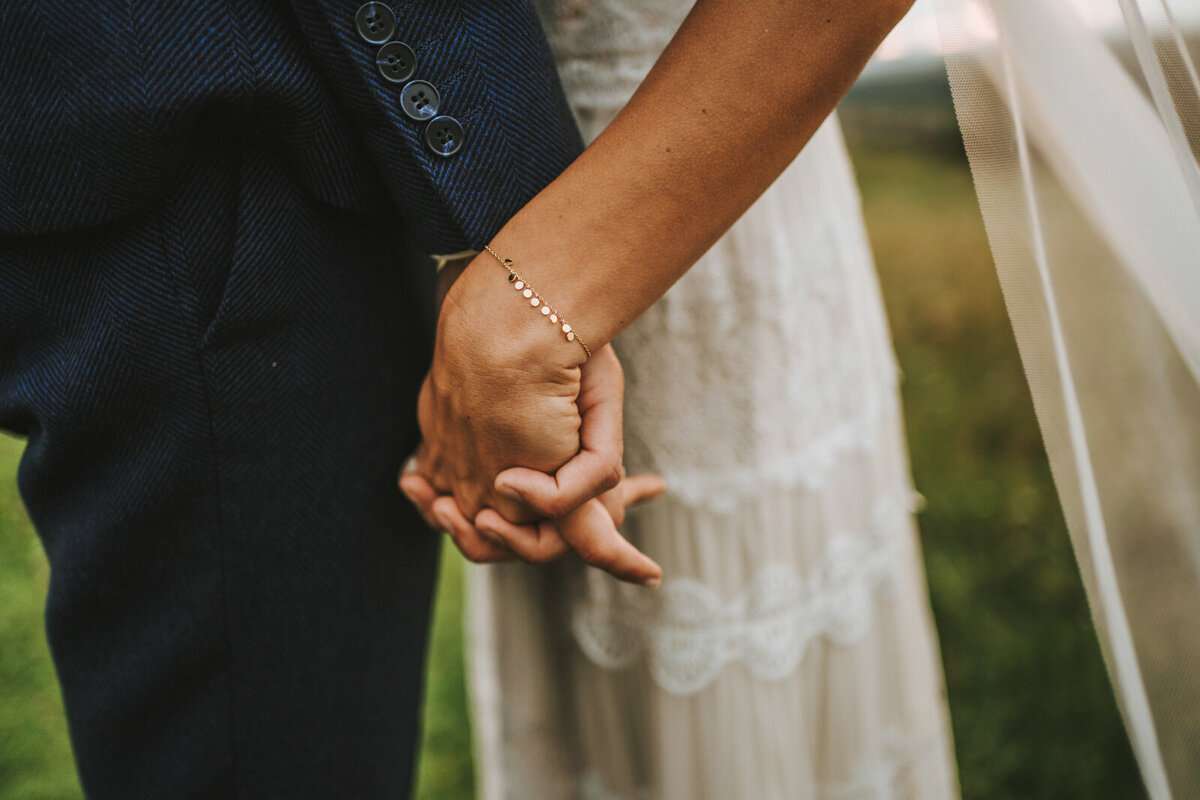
(218, 395)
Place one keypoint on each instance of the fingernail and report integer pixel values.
(409, 466)
(508, 491)
(652, 583)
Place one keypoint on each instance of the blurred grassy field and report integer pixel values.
(1032, 710)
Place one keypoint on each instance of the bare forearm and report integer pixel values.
(737, 94)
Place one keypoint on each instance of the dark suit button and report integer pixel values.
(444, 135)
(375, 22)
(396, 61)
(419, 100)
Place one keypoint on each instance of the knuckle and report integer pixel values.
(611, 476)
(554, 506)
(516, 511)
(439, 392)
(471, 501)
(442, 486)
(424, 412)
(546, 554)
(472, 552)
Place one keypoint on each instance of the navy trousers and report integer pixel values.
(218, 389)
(218, 396)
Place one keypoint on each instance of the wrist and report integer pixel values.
(485, 321)
(576, 302)
(537, 301)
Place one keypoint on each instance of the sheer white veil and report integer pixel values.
(1083, 143)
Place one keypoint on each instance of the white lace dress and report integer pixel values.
(789, 653)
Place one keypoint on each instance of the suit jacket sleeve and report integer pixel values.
(492, 67)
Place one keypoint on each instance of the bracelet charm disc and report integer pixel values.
(536, 300)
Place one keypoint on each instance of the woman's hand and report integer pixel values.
(501, 391)
(492, 538)
(507, 390)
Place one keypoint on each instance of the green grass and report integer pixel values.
(35, 756)
(445, 771)
(1032, 710)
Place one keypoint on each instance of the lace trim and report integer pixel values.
(688, 634)
(721, 490)
(891, 777)
(717, 425)
(604, 50)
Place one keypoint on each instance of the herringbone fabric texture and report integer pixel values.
(215, 314)
(103, 103)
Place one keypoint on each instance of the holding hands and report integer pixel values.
(522, 446)
(519, 429)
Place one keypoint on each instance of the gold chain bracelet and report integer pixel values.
(537, 301)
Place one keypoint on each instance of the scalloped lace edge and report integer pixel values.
(688, 634)
(721, 490)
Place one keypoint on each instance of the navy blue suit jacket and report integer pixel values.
(86, 139)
